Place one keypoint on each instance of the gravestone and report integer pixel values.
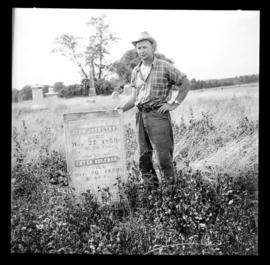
(91, 100)
(115, 95)
(95, 148)
(92, 90)
(127, 90)
(37, 97)
(52, 97)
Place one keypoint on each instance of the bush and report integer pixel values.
(103, 87)
(15, 94)
(25, 93)
(190, 217)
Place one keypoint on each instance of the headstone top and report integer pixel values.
(51, 92)
(36, 86)
(115, 94)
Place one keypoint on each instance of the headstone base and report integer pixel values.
(91, 100)
(39, 107)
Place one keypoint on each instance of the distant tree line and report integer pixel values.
(244, 79)
(106, 87)
(102, 86)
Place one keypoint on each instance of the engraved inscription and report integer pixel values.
(90, 162)
(95, 149)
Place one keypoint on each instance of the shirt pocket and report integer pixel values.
(159, 90)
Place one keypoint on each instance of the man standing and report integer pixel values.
(152, 80)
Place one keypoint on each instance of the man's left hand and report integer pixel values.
(167, 107)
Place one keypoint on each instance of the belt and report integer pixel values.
(146, 109)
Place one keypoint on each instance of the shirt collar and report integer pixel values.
(154, 63)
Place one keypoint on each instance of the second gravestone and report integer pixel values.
(96, 156)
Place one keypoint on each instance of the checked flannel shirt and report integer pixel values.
(154, 91)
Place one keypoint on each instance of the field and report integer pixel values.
(212, 209)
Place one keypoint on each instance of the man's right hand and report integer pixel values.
(119, 108)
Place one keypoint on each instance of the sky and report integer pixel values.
(204, 44)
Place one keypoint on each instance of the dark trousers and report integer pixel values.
(154, 132)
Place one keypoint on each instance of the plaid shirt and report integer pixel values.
(155, 89)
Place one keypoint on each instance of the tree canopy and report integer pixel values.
(128, 61)
(92, 57)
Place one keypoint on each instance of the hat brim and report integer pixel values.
(139, 40)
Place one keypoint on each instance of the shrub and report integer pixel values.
(103, 87)
(191, 217)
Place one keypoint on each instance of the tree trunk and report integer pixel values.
(92, 90)
(100, 67)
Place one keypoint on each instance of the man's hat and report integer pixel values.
(145, 36)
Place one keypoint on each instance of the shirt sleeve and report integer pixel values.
(175, 76)
(132, 81)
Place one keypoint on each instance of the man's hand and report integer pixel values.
(167, 107)
(119, 108)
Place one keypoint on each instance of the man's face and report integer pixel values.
(145, 49)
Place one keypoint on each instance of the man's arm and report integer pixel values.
(182, 93)
(131, 102)
(183, 90)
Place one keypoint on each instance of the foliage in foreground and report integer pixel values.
(191, 217)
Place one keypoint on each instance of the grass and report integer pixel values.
(212, 209)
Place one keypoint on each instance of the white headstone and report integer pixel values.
(115, 95)
(91, 100)
(52, 97)
(37, 97)
(95, 150)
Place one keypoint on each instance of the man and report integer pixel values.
(152, 80)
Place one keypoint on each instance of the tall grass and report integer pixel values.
(211, 209)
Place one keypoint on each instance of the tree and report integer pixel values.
(45, 89)
(58, 86)
(128, 61)
(73, 90)
(25, 93)
(99, 43)
(93, 57)
(68, 47)
(15, 93)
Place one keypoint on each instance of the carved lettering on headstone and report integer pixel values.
(95, 150)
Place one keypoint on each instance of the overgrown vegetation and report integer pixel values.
(191, 217)
(200, 214)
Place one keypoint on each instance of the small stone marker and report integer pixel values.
(92, 92)
(91, 100)
(52, 97)
(127, 90)
(95, 148)
(37, 96)
(115, 95)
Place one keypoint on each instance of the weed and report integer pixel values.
(191, 217)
